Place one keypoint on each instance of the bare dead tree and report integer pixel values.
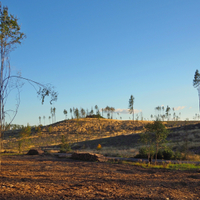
(10, 36)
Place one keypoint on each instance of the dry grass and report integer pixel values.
(113, 152)
(86, 130)
(193, 157)
(117, 137)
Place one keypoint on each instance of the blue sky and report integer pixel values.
(101, 52)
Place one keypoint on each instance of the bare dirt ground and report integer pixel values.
(47, 177)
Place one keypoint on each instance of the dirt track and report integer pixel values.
(46, 177)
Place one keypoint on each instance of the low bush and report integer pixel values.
(25, 131)
(38, 129)
(166, 154)
(142, 153)
(94, 116)
(65, 146)
(50, 129)
(178, 155)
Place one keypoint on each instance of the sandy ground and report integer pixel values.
(47, 177)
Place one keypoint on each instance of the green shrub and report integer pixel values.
(65, 146)
(50, 129)
(166, 154)
(142, 153)
(38, 129)
(178, 155)
(25, 131)
(24, 139)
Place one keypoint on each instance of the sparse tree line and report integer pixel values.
(196, 117)
(164, 114)
(80, 113)
(12, 126)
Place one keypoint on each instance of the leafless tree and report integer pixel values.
(10, 36)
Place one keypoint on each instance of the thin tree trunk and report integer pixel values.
(156, 154)
(133, 123)
(1, 100)
(100, 127)
(0, 146)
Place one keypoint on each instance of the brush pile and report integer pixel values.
(35, 152)
(89, 157)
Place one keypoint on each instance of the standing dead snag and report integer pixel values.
(130, 106)
(196, 83)
(10, 36)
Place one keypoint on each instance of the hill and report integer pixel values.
(117, 137)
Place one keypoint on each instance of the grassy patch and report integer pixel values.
(178, 166)
(183, 166)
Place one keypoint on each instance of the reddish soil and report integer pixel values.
(47, 177)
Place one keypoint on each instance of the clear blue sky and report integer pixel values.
(101, 52)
